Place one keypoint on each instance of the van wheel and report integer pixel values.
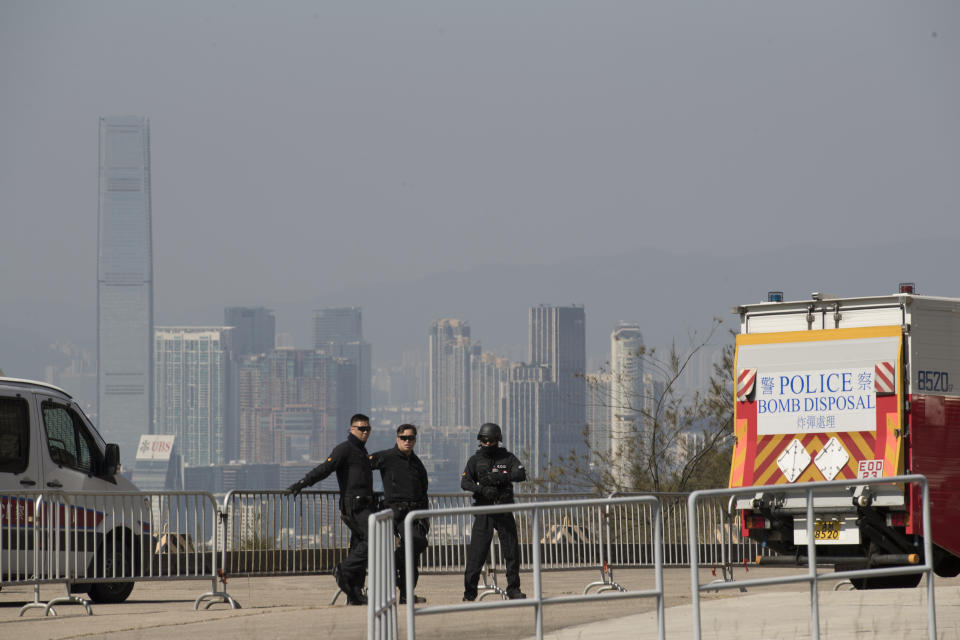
(113, 592)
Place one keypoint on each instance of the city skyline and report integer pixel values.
(671, 160)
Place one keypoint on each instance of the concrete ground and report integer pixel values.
(299, 607)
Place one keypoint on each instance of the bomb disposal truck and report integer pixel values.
(831, 389)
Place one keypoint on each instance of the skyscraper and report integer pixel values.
(626, 397)
(449, 386)
(288, 400)
(530, 420)
(558, 342)
(191, 379)
(598, 414)
(338, 332)
(489, 376)
(338, 325)
(124, 284)
(254, 329)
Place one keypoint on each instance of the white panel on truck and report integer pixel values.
(934, 348)
(850, 318)
(755, 323)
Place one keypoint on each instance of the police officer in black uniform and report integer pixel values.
(352, 464)
(404, 490)
(489, 476)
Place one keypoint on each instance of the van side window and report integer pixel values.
(14, 435)
(68, 440)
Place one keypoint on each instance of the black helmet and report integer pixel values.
(490, 431)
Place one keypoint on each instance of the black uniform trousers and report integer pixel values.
(353, 568)
(420, 528)
(479, 549)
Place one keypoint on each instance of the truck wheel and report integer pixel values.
(113, 592)
(946, 565)
(887, 582)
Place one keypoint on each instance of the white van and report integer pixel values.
(48, 444)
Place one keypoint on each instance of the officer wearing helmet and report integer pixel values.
(489, 476)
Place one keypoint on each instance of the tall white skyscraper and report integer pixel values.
(124, 285)
(626, 396)
(191, 377)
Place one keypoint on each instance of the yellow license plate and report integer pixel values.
(826, 530)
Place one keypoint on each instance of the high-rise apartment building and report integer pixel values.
(530, 422)
(254, 329)
(254, 332)
(288, 401)
(449, 353)
(627, 398)
(558, 342)
(338, 332)
(489, 375)
(124, 285)
(598, 414)
(191, 389)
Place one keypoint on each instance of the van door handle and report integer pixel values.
(27, 483)
(54, 484)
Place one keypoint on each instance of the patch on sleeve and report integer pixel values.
(329, 459)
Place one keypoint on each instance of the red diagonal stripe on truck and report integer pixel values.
(883, 377)
(745, 382)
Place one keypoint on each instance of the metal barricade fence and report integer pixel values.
(271, 533)
(812, 577)
(103, 542)
(534, 515)
(382, 572)
(585, 539)
(22, 551)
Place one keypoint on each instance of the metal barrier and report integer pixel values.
(535, 514)
(103, 542)
(272, 533)
(812, 577)
(382, 572)
(586, 539)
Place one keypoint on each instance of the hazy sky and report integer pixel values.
(306, 148)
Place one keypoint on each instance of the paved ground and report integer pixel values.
(299, 607)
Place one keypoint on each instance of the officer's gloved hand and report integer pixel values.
(490, 493)
(500, 479)
(296, 488)
(489, 480)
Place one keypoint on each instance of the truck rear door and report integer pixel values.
(819, 405)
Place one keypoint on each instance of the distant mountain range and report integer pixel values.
(669, 295)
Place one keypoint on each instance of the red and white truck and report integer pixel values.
(832, 389)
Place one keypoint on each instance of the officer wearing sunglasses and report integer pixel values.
(489, 476)
(404, 490)
(351, 462)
